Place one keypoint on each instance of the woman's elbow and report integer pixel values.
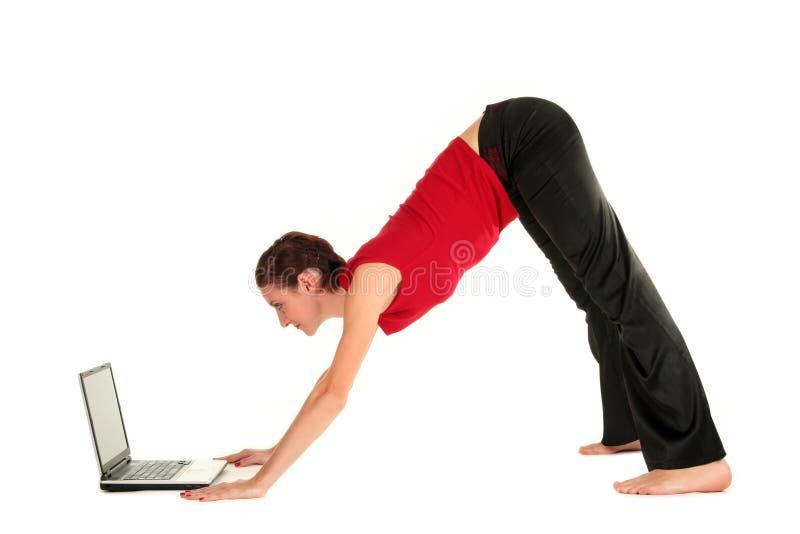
(336, 399)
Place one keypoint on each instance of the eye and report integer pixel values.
(278, 306)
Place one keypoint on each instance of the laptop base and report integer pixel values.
(139, 487)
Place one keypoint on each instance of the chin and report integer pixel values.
(307, 332)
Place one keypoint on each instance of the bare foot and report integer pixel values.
(599, 448)
(713, 476)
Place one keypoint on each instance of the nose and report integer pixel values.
(284, 321)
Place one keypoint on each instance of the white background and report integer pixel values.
(151, 150)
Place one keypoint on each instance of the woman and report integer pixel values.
(524, 157)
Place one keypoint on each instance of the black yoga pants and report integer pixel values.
(649, 386)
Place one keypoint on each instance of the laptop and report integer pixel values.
(118, 470)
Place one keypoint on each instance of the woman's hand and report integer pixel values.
(241, 489)
(247, 457)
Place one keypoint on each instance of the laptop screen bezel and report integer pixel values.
(104, 468)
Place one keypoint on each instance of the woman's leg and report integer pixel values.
(604, 341)
(543, 156)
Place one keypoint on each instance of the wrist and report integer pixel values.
(259, 487)
(261, 480)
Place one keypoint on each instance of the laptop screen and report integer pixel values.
(105, 415)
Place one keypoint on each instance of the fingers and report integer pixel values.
(235, 456)
(230, 458)
(242, 460)
(257, 458)
(238, 460)
(210, 493)
(240, 489)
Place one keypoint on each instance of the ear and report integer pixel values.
(309, 281)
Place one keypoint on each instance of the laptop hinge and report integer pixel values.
(122, 462)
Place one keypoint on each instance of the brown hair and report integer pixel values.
(294, 252)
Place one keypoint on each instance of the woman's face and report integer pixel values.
(297, 307)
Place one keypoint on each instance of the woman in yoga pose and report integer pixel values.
(524, 157)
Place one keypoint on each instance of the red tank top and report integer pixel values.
(451, 220)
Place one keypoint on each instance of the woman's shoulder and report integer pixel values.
(381, 280)
(378, 267)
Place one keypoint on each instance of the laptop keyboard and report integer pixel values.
(156, 470)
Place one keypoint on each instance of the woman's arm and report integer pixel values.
(365, 302)
(317, 413)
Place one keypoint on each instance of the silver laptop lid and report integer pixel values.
(105, 417)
